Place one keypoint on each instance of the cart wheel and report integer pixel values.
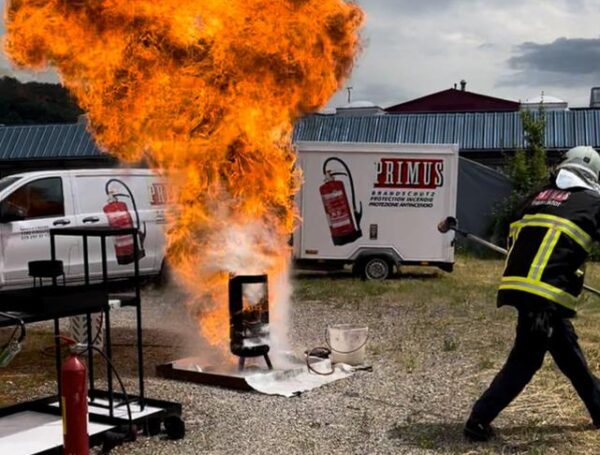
(175, 427)
(152, 427)
(112, 439)
(376, 269)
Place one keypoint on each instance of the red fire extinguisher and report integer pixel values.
(74, 407)
(118, 216)
(343, 220)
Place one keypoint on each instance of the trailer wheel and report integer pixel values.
(376, 269)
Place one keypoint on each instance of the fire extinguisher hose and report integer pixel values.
(319, 352)
(110, 365)
(325, 352)
(10, 350)
(47, 351)
(20, 326)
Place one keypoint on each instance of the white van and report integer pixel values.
(34, 202)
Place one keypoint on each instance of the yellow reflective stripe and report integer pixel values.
(513, 235)
(540, 289)
(513, 232)
(567, 227)
(543, 255)
(514, 228)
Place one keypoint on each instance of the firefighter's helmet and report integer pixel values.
(584, 158)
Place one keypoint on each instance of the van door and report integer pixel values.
(28, 213)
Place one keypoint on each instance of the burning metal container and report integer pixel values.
(249, 317)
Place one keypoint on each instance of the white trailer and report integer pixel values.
(375, 206)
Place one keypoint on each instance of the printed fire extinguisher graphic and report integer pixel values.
(344, 221)
(118, 216)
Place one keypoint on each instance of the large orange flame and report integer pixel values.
(206, 91)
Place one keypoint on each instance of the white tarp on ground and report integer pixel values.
(290, 377)
(293, 382)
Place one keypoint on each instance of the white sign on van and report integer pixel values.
(35, 233)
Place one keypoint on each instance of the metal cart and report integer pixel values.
(37, 423)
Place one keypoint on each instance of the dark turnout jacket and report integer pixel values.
(548, 246)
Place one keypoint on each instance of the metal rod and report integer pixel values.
(104, 265)
(109, 372)
(86, 260)
(58, 360)
(485, 243)
(138, 310)
(53, 257)
(88, 317)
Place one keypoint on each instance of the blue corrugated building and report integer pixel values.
(484, 137)
(34, 147)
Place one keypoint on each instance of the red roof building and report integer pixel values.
(455, 100)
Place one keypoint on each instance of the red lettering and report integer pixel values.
(409, 173)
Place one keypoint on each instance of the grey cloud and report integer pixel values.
(411, 7)
(538, 79)
(566, 56)
(419, 7)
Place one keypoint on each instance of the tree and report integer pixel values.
(527, 169)
(35, 102)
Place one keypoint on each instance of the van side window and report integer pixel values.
(41, 198)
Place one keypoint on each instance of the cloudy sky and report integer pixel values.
(513, 49)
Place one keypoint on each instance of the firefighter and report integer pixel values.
(547, 248)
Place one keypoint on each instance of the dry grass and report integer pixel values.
(454, 324)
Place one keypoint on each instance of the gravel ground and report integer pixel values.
(408, 393)
(436, 341)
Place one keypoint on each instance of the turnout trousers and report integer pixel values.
(537, 333)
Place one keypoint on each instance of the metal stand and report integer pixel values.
(134, 299)
(242, 362)
(106, 409)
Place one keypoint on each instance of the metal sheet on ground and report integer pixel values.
(120, 412)
(31, 432)
(288, 382)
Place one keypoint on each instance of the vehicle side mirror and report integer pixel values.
(10, 213)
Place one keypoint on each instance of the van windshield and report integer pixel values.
(7, 181)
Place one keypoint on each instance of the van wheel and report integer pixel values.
(376, 269)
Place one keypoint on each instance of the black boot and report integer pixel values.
(477, 431)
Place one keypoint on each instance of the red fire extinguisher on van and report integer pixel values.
(119, 216)
(343, 220)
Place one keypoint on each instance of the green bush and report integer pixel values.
(527, 170)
